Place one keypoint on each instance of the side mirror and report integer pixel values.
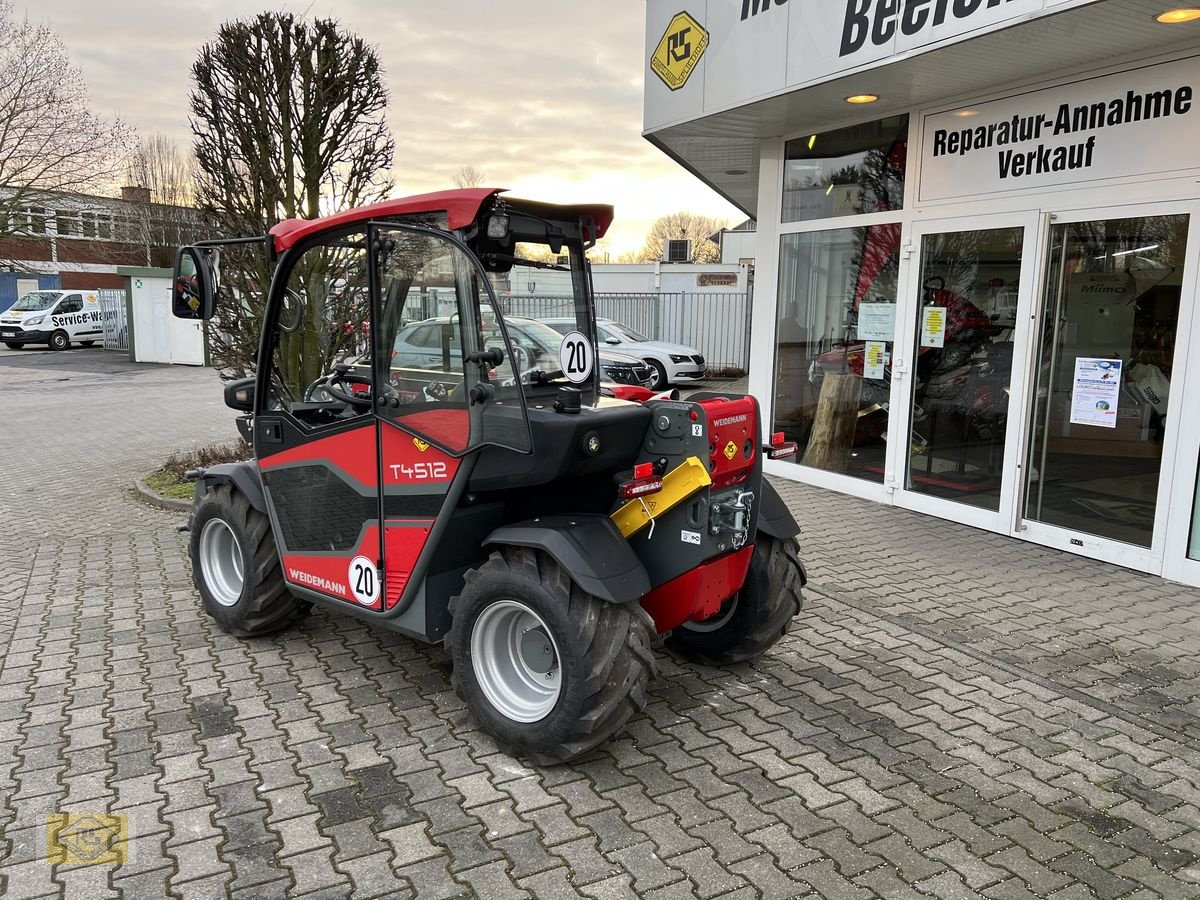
(194, 285)
(240, 394)
(611, 341)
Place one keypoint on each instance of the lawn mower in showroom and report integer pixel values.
(548, 533)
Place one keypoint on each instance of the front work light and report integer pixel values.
(497, 227)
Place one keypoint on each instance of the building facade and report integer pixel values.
(977, 250)
(79, 241)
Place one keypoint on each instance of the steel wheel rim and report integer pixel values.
(712, 623)
(515, 689)
(221, 562)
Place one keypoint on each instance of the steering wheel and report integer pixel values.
(522, 362)
(343, 376)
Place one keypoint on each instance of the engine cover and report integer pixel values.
(692, 524)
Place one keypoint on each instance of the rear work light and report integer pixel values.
(644, 482)
(778, 448)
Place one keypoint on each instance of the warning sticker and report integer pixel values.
(679, 51)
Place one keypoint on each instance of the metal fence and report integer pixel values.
(116, 329)
(717, 324)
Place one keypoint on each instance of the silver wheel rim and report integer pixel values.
(656, 378)
(714, 622)
(507, 672)
(221, 562)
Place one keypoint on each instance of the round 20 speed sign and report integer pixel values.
(576, 356)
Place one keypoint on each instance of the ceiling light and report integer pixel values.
(1178, 16)
(829, 190)
(812, 140)
(966, 112)
(862, 98)
(735, 171)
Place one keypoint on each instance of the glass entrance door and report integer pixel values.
(964, 343)
(1104, 369)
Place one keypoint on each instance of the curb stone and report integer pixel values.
(152, 498)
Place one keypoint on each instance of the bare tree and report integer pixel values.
(165, 215)
(468, 177)
(168, 170)
(686, 226)
(51, 143)
(289, 121)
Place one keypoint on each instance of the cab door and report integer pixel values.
(315, 434)
(436, 406)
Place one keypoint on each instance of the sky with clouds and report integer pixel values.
(544, 98)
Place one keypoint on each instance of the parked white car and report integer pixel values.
(669, 363)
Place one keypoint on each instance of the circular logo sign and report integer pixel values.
(364, 580)
(576, 356)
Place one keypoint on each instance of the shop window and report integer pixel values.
(846, 172)
(1194, 543)
(837, 296)
(962, 357)
(1105, 372)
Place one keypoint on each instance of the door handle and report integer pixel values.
(270, 432)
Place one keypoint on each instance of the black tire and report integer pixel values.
(264, 604)
(60, 340)
(658, 375)
(87, 343)
(12, 346)
(754, 618)
(604, 656)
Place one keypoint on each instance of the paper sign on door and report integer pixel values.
(874, 361)
(876, 322)
(1096, 392)
(933, 326)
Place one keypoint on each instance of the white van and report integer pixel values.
(54, 318)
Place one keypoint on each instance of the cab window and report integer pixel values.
(70, 304)
(324, 323)
(433, 377)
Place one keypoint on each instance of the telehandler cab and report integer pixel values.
(475, 493)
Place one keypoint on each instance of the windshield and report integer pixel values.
(37, 300)
(628, 333)
(534, 332)
(543, 295)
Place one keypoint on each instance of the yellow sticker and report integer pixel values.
(91, 298)
(730, 450)
(679, 51)
(80, 839)
(420, 444)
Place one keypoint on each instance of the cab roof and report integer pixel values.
(461, 208)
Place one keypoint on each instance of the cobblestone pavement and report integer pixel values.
(955, 715)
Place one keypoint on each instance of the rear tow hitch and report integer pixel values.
(732, 518)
